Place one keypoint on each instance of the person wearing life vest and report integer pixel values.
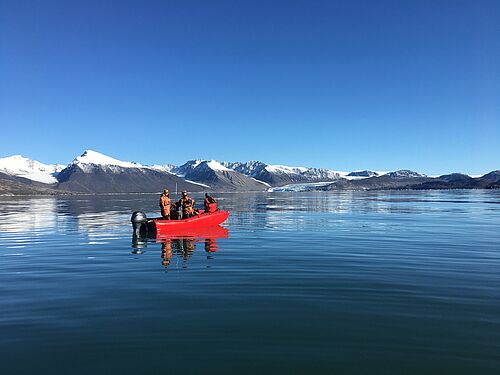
(165, 204)
(187, 204)
(210, 204)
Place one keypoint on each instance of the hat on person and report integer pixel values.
(165, 191)
(184, 192)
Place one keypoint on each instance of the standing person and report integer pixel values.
(165, 204)
(210, 204)
(187, 204)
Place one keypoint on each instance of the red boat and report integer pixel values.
(164, 227)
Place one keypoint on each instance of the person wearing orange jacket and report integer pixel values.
(165, 204)
(210, 204)
(187, 204)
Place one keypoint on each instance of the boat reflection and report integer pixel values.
(182, 243)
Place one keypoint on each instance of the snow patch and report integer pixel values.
(216, 166)
(259, 170)
(405, 173)
(285, 169)
(197, 183)
(261, 182)
(96, 158)
(162, 168)
(198, 165)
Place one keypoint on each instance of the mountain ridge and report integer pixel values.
(96, 173)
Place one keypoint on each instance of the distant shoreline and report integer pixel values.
(76, 194)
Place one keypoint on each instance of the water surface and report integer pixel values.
(352, 282)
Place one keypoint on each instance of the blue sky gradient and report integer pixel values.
(339, 84)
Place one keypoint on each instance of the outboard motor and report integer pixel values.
(138, 220)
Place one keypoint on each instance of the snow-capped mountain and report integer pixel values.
(405, 173)
(162, 167)
(364, 173)
(90, 159)
(278, 175)
(93, 172)
(493, 176)
(20, 166)
(250, 168)
(366, 180)
(186, 170)
(217, 176)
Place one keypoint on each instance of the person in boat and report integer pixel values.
(165, 204)
(210, 204)
(187, 204)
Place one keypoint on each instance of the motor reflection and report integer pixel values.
(138, 244)
(182, 244)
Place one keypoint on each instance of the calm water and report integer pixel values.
(386, 282)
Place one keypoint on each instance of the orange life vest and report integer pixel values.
(210, 205)
(165, 205)
(187, 204)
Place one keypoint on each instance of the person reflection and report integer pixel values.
(185, 246)
(166, 252)
(210, 245)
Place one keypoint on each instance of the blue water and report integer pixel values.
(354, 282)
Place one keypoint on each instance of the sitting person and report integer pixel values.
(210, 204)
(187, 205)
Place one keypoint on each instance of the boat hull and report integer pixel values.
(161, 226)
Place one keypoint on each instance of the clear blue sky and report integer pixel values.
(338, 84)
